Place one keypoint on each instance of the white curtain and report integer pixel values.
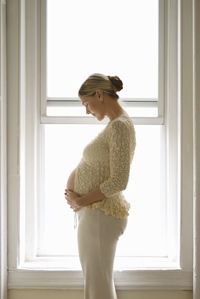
(196, 102)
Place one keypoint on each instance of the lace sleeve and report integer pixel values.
(120, 159)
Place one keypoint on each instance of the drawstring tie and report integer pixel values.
(75, 220)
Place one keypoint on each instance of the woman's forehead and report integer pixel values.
(83, 99)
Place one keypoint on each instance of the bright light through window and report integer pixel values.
(145, 234)
(108, 36)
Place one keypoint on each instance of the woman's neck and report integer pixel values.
(114, 111)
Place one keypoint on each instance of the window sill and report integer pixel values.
(172, 279)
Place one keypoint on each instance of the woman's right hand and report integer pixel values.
(73, 200)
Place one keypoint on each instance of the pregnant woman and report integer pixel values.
(94, 188)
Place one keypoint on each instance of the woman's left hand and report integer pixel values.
(73, 199)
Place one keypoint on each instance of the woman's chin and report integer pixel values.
(99, 117)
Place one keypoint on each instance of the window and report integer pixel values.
(40, 210)
(91, 46)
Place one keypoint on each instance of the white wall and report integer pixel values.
(3, 183)
(196, 164)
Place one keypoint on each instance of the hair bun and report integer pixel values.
(116, 82)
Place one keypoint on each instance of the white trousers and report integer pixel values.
(97, 240)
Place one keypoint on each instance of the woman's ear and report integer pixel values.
(99, 94)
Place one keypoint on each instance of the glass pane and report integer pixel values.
(146, 231)
(107, 36)
(79, 110)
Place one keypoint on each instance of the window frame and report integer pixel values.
(23, 272)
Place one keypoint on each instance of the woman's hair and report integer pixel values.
(109, 84)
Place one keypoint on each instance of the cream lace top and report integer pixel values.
(106, 164)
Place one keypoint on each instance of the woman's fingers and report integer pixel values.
(72, 203)
(70, 197)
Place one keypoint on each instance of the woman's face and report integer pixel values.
(94, 105)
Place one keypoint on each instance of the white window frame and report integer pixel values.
(24, 62)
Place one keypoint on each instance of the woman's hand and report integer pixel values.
(73, 200)
(77, 202)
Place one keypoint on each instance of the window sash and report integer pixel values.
(155, 183)
(45, 101)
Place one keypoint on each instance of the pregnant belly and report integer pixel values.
(86, 179)
(71, 180)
